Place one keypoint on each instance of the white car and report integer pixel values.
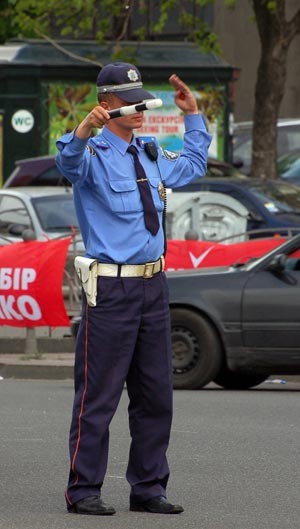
(37, 213)
(288, 139)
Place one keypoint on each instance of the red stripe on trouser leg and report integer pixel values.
(83, 394)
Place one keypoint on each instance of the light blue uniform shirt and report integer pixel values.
(106, 195)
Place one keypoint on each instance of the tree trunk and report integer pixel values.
(269, 92)
(276, 35)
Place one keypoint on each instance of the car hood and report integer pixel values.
(201, 271)
(288, 219)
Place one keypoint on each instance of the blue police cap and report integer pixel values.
(124, 80)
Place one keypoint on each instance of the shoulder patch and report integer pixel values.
(90, 149)
(169, 155)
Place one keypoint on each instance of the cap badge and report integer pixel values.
(132, 75)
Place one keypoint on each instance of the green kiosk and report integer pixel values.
(47, 88)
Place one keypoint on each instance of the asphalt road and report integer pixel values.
(234, 458)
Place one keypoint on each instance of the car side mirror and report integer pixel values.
(278, 263)
(191, 235)
(253, 215)
(28, 235)
(237, 163)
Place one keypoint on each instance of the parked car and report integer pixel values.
(43, 213)
(42, 171)
(273, 206)
(38, 171)
(289, 167)
(40, 213)
(288, 139)
(236, 325)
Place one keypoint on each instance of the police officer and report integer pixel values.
(125, 337)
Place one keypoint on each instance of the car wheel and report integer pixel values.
(197, 352)
(231, 380)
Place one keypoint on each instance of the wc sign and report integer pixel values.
(22, 121)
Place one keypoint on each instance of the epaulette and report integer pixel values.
(141, 140)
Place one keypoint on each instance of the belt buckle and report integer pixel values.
(148, 270)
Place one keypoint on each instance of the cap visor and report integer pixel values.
(134, 96)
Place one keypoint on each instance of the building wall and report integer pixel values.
(241, 48)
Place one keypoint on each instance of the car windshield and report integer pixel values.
(56, 212)
(277, 197)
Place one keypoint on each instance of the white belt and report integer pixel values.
(146, 270)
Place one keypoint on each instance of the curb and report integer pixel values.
(36, 372)
(53, 366)
(60, 366)
(12, 346)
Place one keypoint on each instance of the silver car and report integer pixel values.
(43, 213)
(40, 213)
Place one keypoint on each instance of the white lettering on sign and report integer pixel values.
(12, 308)
(22, 306)
(22, 121)
(16, 278)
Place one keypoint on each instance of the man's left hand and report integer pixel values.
(184, 98)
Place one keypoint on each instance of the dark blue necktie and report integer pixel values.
(150, 213)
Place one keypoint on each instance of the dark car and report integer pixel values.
(236, 325)
(273, 205)
(38, 171)
(42, 171)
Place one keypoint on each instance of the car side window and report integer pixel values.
(292, 265)
(293, 261)
(244, 151)
(13, 213)
(51, 176)
(288, 139)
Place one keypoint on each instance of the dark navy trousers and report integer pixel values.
(125, 338)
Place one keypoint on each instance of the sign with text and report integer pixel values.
(70, 103)
(22, 121)
(31, 277)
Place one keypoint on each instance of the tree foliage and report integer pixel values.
(8, 26)
(110, 19)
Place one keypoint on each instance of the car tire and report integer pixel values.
(197, 351)
(231, 380)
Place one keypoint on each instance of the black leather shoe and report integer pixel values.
(158, 504)
(91, 505)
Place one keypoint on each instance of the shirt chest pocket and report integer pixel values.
(125, 196)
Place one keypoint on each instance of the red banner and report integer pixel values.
(31, 278)
(31, 274)
(199, 254)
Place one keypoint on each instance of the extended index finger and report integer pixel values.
(177, 83)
